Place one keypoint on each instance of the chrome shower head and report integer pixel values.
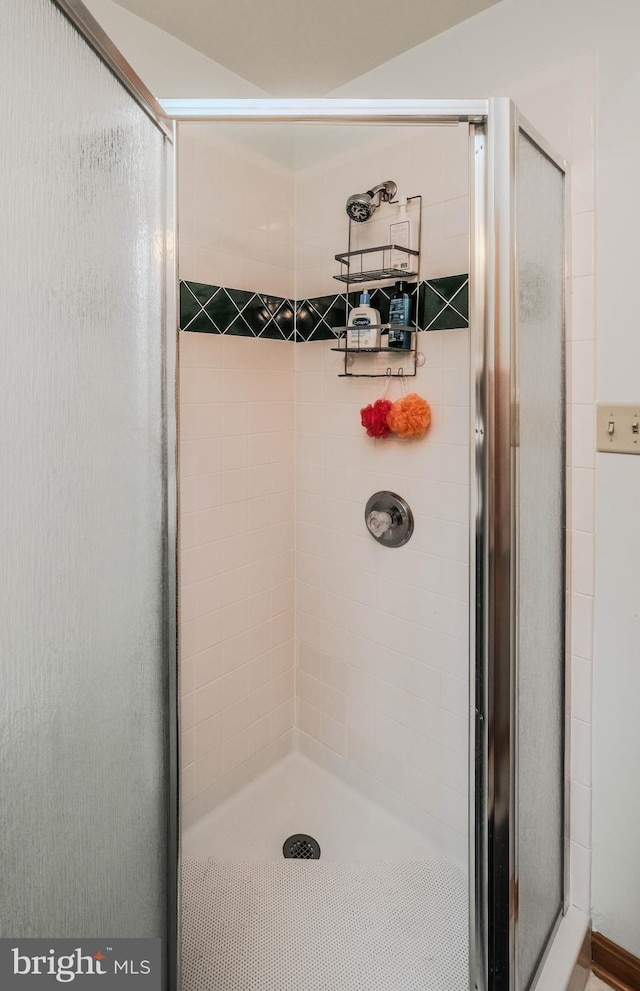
(360, 206)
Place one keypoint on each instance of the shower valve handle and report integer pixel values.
(379, 522)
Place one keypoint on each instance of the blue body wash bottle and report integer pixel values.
(400, 318)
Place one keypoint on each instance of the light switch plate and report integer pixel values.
(618, 428)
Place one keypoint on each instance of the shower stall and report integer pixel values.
(393, 714)
(401, 656)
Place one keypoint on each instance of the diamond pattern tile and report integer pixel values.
(441, 304)
(445, 303)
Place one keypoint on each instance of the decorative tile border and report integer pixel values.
(217, 310)
(443, 304)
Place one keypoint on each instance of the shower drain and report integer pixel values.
(301, 847)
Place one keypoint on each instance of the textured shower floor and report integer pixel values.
(379, 911)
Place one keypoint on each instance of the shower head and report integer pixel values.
(360, 206)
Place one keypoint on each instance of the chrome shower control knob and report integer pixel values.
(379, 522)
(389, 519)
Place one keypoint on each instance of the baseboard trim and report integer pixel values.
(614, 965)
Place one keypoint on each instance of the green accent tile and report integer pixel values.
(282, 319)
(448, 319)
(272, 303)
(430, 306)
(305, 322)
(449, 284)
(336, 315)
(239, 296)
(222, 311)
(239, 328)
(323, 303)
(436, 314)
(189, 306)
(256, 314)
(202, 291)
(202, 325)
(272, 332)
(461, 301)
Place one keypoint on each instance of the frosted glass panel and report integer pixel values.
(540, 549)
(83, 685)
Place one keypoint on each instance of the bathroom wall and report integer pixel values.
(236, 209)
(382, 638)
(521, 49)
(430, 161)
(236, 467)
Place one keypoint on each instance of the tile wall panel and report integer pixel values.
(236, 551)
(236, 457)
(431, 161)
(382, 638)
(382, 635)
(235, 214)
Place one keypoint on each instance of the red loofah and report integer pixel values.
(410, 416)
(374, 418)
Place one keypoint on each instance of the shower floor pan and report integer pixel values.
(299, 925)
(296, 795)
(381, 910)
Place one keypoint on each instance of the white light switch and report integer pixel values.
(618, 428)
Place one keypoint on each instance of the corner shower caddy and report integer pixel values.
(380, 271)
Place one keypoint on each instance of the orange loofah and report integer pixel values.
(410, 416)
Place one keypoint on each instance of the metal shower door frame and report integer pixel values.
(494, 561)
(493, 126)
(94, 35)
(491, 318)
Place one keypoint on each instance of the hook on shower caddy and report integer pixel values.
(350, 275)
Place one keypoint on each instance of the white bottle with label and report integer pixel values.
(364, 324)
(401, 234)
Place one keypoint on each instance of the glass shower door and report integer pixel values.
(86, 408)
(520, 554)
(540, 514)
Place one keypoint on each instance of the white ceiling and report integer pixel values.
(303, 48)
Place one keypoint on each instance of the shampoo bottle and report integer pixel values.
(401, 235)
(364, 325)
(400, 318)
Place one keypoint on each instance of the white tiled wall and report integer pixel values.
(236, 464)
(382, 670)
(382, 636)
(382, 643)
(235, 214)
(431, 161)
(236, 552)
